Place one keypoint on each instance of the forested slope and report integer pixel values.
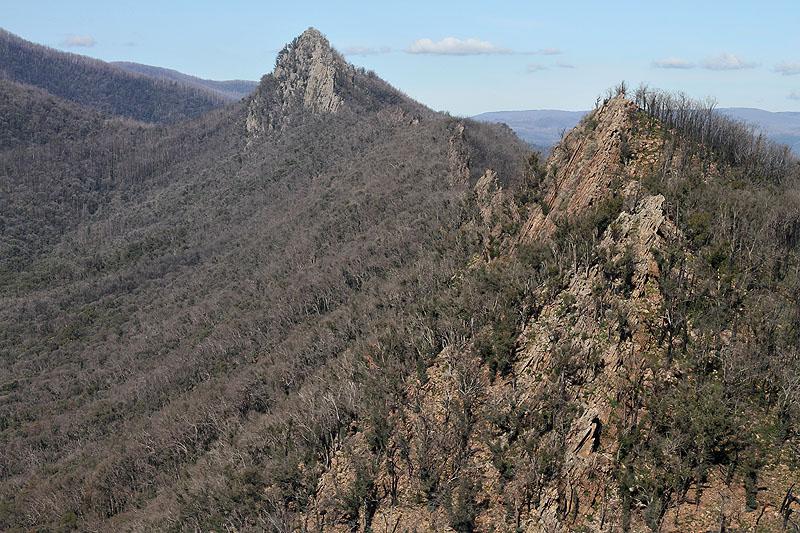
(200, 283)
(99, 85)
(228, 89)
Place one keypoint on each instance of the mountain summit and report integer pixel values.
(310, 76)
(306, 73)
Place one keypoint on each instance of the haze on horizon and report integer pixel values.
(462, 58)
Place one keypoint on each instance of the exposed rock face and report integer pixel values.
(489, 194)
(587, 347)
(582, 321)
(311, 78)
(305, 73)
(588, 452)
(583, 166)
(457, 155)
(307, 76)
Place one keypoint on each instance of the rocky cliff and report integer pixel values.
(304, 78)
(311, 78)
(564, 420)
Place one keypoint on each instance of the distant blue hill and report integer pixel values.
(542, 128)
(782, 127)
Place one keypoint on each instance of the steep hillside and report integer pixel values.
(634, 367)
(60, 163)
(228, 89)
(101, 86)
(186, 343)
(32, 116)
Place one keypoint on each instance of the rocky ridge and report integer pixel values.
(363, 315)
(583, 356)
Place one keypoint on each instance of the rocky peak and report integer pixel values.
(306, 73)
(308, 76)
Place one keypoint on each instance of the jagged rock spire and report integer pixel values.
(306, 72)
(583, 166)
(310, 77)
(306, 77)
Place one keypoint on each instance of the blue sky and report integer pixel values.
(463, 57)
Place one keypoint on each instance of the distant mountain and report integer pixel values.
(99, 85)
(543, 128)
(781, 126)
(228, 89)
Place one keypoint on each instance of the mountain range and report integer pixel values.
(100, 86)
(228, 89)
(543, 128)
(323, 306)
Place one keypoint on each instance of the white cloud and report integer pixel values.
(79, 40)
(794, 95)
(455, 47)
(788, 69)
(366, 50)
(561, 64)
(727, 62)
(673, 62)
(536, 67)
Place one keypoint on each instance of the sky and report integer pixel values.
(464, 57)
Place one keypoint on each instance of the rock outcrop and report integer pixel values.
(583, 167)
(305, 77)
(306, 74)
(584, 322)
(541, 449)
(311, 78)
